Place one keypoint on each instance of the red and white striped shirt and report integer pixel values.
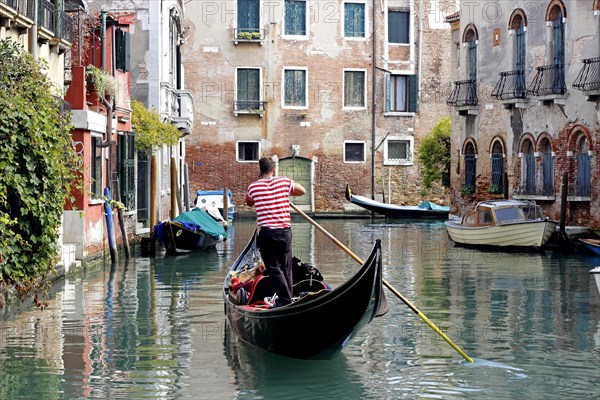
(271, 197)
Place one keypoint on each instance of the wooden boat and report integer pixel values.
(425, 209)
(319, 323)
(213, 200)
(591, 244)
(596, 274)
(502, 223)
(192, 230)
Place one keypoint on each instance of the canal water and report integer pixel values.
(155, 328)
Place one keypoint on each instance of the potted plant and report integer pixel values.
(104, 83)
(467, 190)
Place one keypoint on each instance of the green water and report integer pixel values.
(155, 328)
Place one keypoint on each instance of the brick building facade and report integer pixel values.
(338, 91)
(525, 98)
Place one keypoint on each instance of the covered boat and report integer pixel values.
(192, 230)
(425, 209)
(502, 223)
(319, 323)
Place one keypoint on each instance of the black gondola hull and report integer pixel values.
(177, 238)
(317, 328)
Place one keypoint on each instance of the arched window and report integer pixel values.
(497, 168)
(529, 167)
(584, 167)
(556, 14)
(471, 39)
(470, 165)
(547, 168)
(520, 55)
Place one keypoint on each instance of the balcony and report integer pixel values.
(64, 26)
(464, 97)
(255, 107)
(183, 110)
(549, 84)
(177, 106)
(46, 15)
(511, 89)
(588, 79)
(19, 13)
(534, 192)
(248, 35)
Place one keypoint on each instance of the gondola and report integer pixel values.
(320, 323)
(192, 230)
(425, 209)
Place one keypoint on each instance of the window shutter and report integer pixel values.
(386, 91)
(122, 45)
(412, 93)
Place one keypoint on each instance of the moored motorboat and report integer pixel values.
(596, 274)
(318, 324)
(192, 230)
(592, 245)
(502, 223)
(214, 200)
(425, 209)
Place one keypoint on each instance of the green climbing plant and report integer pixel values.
(434, 154)
(37, 163)
(104, 83)
(150, 131)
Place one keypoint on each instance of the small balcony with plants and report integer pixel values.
(251, 107)
(511, 89)
(588, 79)
(549, 85)
(464, 97)
(248, 35)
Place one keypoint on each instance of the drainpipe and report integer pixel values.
(373, 86)
(420, 51)
(33, 35)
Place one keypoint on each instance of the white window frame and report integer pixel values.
(306, 23)
(364, 151)
(363, 70)
(408, 65)
(260, 14)
(292, 68)
(343, 22)
(237, 150)
(92, 200)
(411, 148)
(260, 85)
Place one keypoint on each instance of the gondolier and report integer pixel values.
(270, 197)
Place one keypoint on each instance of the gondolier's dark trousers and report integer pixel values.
(275, 247)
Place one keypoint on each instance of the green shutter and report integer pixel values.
(386, 91)
(412, 93)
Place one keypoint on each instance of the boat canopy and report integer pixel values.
(203, 221)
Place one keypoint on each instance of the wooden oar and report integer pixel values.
(386, 283)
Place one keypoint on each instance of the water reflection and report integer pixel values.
(156, 327)
(260, 374)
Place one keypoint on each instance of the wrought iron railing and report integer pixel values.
(46, 15)
(589, 76)
(463, 94)
(549, 80)
(64, 26)
(511, 86)
(27, 8)
(249, 106)
(534, 190)
(11, 3)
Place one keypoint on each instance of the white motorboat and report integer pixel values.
(596, 274)
(502, 223)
